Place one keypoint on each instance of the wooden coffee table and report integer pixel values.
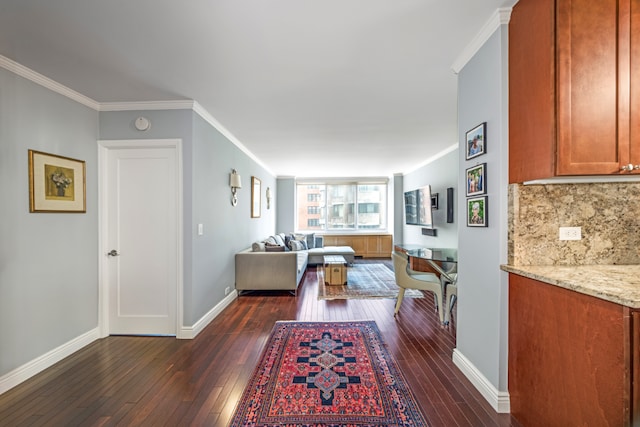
(335, 270)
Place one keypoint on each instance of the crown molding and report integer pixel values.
(500, 17)
(433, 158)
(46, 82)
(186, 104)
(199, 109)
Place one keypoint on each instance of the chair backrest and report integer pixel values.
(400, 261)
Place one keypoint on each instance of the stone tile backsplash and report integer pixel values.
(609, 214)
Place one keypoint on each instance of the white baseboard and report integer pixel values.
(26, 371)
(499, 400)
(190, 332)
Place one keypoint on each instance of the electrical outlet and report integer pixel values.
(227, 290)
(570, 233)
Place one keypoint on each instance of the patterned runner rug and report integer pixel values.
(327, 374)
(367, 280)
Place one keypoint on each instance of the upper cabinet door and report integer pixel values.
(592, 46)
(634, 77)
(574, 88)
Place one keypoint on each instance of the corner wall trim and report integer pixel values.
(47, 360)
(500, 17)
(46, 82)
(499, 400)
(190, 332)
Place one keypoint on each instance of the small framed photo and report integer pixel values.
(476, 180)
(255, 197)
(56, 183)
(476, 141)
(477, 212)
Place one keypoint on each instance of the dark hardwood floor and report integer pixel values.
(155, 381)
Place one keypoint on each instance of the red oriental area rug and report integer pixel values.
(327, 374)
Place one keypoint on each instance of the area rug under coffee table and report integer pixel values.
(327, 374)
(369, 280)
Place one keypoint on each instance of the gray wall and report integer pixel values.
(285, 200)
(482, 286)
(439, 174)
(398, 208)
(48, 261)
(208, 157)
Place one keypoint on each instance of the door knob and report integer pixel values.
(113, 252)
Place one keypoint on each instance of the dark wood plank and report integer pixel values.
(123, 380)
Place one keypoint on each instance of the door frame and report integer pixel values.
(103, 292)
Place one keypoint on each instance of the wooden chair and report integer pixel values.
(411, 279)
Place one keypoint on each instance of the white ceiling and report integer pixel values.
(310, 87)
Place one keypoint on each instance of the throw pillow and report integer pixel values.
(288, 238)
(302, 239)
(296, 245)
(258, 247)
(271, 240)
(273, 248)
(279, 240)
(311, 241)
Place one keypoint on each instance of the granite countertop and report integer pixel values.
(619, 284)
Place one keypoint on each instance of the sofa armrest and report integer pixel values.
(269, 270)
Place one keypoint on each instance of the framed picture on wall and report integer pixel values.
(476, 141)
(255, 197)
(477, 212)
(56, 183)
(476, 180)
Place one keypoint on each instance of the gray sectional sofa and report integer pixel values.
(270, 265)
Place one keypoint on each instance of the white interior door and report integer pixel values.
(142, 237)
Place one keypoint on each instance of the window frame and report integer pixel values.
(323, 210)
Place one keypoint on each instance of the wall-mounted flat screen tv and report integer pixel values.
(417, 206)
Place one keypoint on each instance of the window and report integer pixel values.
(341, 206)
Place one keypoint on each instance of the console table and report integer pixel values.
(364, 245)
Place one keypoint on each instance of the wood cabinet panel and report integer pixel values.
(365, 245)
(532, 149)
(573, 77)
(567, 363)
(634, 361)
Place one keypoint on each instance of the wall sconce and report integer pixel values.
(235, 183)
(268, 198)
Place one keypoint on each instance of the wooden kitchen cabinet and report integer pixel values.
(574, 95)
(572, 357)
